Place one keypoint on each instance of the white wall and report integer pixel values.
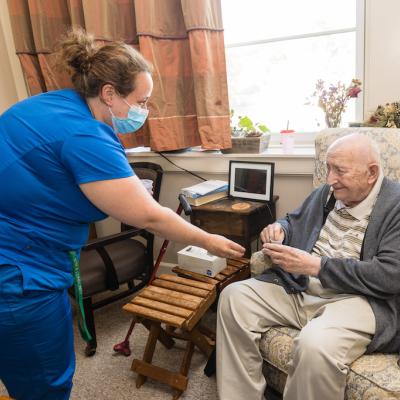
(382, 53)
(12, 84)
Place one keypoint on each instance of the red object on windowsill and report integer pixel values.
(287, 140)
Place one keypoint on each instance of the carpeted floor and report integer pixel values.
(107, 375)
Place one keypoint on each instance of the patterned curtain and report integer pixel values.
(183, 39)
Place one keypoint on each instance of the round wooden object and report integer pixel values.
(240, 206)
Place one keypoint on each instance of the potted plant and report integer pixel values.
(248, 137)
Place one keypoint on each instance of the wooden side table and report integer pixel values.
(241, 225)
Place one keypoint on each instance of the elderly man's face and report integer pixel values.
(350, 178)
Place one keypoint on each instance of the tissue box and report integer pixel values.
(198, 260)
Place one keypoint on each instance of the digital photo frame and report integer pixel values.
(251, 180)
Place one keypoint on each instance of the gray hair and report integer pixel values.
(366, 149)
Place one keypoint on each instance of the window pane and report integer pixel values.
(264, 19)
(270, 82)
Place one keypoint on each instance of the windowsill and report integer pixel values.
(304, 147)
(300, 162)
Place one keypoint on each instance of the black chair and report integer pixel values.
(109, 262)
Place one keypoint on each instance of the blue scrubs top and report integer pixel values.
(49, 144)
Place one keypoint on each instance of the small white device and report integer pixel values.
(199, 260)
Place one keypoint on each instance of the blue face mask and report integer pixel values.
(135, 119)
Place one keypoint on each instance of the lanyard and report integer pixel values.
(79, 297)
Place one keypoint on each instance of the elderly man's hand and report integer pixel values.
(272, 233)
(293, 260)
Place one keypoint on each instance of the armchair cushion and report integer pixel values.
(373, 376)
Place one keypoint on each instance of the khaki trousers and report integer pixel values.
(335, 330)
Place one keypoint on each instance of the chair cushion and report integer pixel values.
(371, 377)
(128, 256)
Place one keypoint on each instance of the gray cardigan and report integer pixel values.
(376, 275)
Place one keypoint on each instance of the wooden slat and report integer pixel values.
(159, 374)
(219, 277)
(237, 263)
(204, 306)
(228, 271)
(194, 275)
(183, 296)
(243, 260)
(190, 305)
(235, 267)
(185, 281)
(163, 307)
(180, 288)
(154, 315)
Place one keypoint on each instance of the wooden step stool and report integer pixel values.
(179, 303)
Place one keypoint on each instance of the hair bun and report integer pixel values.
(76, 51)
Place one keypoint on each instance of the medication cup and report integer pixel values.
(287, 140)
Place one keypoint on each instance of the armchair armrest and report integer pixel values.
(95, 244)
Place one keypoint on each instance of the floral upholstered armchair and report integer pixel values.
(371, 377)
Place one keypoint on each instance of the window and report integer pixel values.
(277, 50)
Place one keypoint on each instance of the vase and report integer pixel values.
(333, 121)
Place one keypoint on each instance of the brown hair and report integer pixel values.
(92, 66)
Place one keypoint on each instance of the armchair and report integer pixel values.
(115, 260)
(372, 376)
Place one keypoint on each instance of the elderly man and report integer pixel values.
(337, 281)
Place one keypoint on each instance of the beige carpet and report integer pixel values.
(107, 375)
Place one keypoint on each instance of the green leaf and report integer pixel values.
(246, 123)
(262, 128)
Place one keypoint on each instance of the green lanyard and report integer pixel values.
(79, 297)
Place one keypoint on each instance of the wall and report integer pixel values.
(382, 53)
(12, 85)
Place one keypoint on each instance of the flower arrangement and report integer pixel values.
(246, 128)
(387, 116)
(333, 100)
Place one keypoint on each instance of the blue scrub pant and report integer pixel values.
(37, 359)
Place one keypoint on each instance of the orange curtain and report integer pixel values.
(183, 39)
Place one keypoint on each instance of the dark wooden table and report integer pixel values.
(241, 225)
